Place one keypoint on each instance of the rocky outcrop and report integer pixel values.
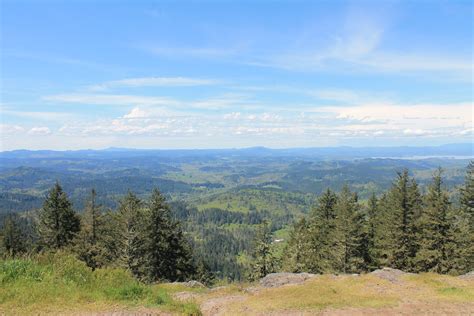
(192, 284)
(279, 279)
(389, 274)
(468, 276)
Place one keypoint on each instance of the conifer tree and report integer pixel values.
(264, 261)
(58, 223)
(168, 253)
(405, 203)
(350, 249)
(322, 253)
(467, 195)
(297, 249)
(14, 239)
(462, 249)
(130, 235)
(435, 230)
(383, 242)
(372, 222)
(89, 241)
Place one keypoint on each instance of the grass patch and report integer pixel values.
(444, 287)
(60, 283)
(319, 293)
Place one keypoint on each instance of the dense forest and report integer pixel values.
(402, 228)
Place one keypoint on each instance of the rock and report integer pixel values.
(467, 276)
(191, 283)
(279, 279)
(194, 283)
(218, 288)
(392, 275)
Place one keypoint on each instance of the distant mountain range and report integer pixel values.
(465, 150)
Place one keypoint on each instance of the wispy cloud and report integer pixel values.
(39, 115)
(109, 99)
(222, 101)
(358, 47)
(61, 60)
(192, 52)
(11, 129)
(155, 82)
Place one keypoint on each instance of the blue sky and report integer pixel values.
(209, 74)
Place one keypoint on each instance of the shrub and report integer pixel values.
(21, 269)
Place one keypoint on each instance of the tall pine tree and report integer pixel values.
(321, 229)
(405, 203)
(383, 243)
(463, 227)
(130, 235)
(373, 220)
(467, 195)
(89, 243)
(350, 233)
(58, 223)
(297, 249)
(14, 239)
(264, 261)
(435, 231)
(168, 253)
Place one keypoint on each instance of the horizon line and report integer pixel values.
(112, 148)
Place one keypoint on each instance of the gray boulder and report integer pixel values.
(279, 279)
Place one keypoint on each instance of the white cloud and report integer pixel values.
(213, 103)
(39, 131)
(396, 62)
(154, 82)
(109, 99)
(347, 96)
(136, 113)
(414, 116)
(221, 102)
(415, 132)
(194, 52)
(8, 129)
(232, 116)
(44, 115)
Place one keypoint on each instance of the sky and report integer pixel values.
(225, 74)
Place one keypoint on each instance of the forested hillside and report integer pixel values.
(237, 180)
(404, 227)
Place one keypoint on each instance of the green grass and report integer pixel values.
(60, 283)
